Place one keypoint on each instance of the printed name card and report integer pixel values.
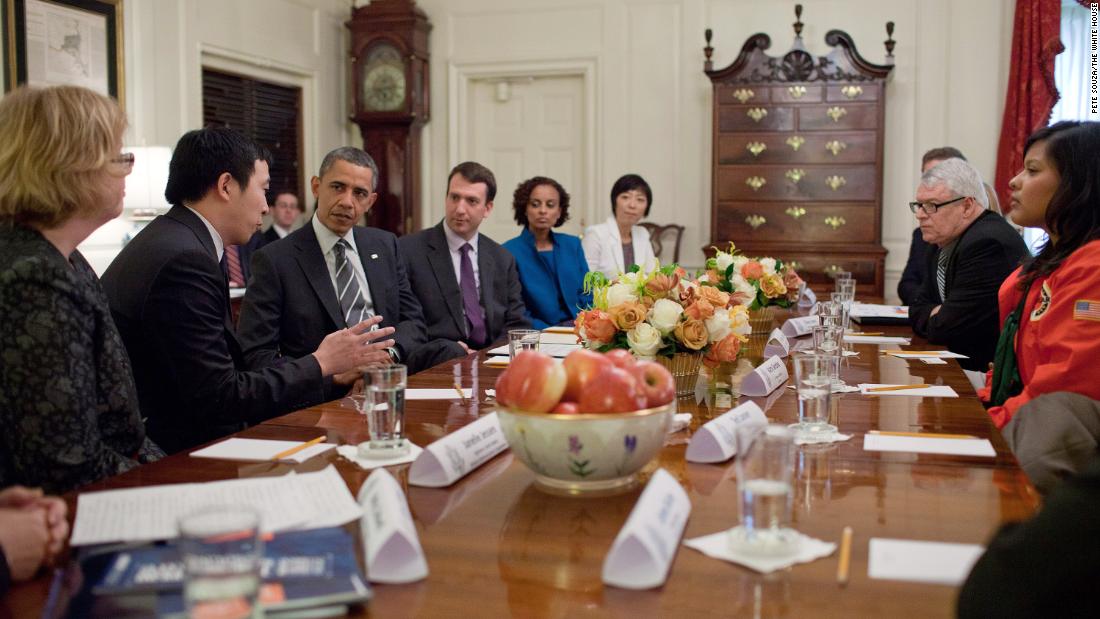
(807, 298)
(642, 553)
(766, 378)
(803, 325)
(777, 345)
(450, 458)
(393, 551)
(716, 440)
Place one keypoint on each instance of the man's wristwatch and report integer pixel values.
(394, 356)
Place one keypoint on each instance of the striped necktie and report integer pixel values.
(941, 273)
(233, 265)
(352, 303)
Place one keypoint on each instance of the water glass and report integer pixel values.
(845, 302)
(764, 472)
(840, 276)
(520, 340)
(221, 550)
(813, 375)
(384, 407)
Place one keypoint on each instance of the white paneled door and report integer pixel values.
(529, 126)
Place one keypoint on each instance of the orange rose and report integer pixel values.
(772, 286)
(660, 284)
(627, 315)
(692, 333)
(714, 296)
(599, 327)
(680, 272)
(723, 351)
(700, 310)
(752, 270)
(712, 275)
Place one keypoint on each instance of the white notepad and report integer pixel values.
(437, 394)
(935, 391)
(930, 445)
(260, 450)
(937, 563)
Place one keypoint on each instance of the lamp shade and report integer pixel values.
(145, 185)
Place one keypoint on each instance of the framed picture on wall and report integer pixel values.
(76, 42)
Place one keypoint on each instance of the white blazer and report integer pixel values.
(603, 248)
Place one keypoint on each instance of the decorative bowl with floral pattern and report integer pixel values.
(587, 453)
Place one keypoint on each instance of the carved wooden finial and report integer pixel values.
(890, 42)
(798, 20)
(708, 50)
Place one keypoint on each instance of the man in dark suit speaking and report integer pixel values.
(467, 283)
(329, 273)
(974, 250)
(170, 301)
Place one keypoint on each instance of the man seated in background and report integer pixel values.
(467, 283)
(170, 301)
(284, 214)
(330, 274)
(912, 278)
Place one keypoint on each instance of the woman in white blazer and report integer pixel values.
(614, 245)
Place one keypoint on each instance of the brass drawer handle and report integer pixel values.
(795, 211)
(796, 91)
(756, 148)
(832, 270)
(835, 182)
(795, 141)
(795, 175)
(756, 182)
(794, 264)
(756, 113)
(743, 94)
(852, 91)
(836, 113)
(835, 222)
(755, 221)
(835, 147)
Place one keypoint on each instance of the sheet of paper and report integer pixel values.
(437, 394)
(259, 450)
(558, 329)
(547, 337)
(871, 310)
(552, 349)
(937, 563)
(874, 339)
(930, 354)
(933, 361)
(499, 362)
(717, 440)
(642, 552)
(329, 495)
(930, 445)
(450, 458)
(392, 547)
(935, 391)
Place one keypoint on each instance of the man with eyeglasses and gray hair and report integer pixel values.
(973, 251)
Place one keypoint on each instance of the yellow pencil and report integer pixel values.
(897, 387)
(868, 333)
(845, 556)
(461, 394)
(922, 434)
(297, 448)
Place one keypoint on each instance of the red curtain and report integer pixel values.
(1031, 91)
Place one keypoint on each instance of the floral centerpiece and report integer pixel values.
(759, 283)
(665, 316)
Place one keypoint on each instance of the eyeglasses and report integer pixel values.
(930, 208)
(124, 161)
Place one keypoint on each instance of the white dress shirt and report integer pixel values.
(219, 244)
(327, 240)
(282, 232)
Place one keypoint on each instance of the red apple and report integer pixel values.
(581, 366)
(566, 408)
(621, 358)
(533, 382)
(613, 391)
(656, 382)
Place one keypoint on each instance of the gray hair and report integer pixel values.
(959, 177)
(354, 156)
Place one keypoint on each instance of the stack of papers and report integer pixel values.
(931, 444)
(933, 391)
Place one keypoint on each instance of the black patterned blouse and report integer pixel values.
(68, 406)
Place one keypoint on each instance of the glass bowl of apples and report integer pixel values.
(586, 424)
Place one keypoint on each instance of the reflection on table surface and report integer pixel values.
(497, 546)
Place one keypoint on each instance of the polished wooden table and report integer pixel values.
(498, 546)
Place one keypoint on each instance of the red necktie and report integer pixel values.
(233, 264)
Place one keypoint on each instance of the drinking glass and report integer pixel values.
(221, 550)
(384, 407)
(829, 341)
(813, 375)
(520, 340)
(840, 276)
(764, 469)
(845, 302)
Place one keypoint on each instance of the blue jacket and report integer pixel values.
(540, 290)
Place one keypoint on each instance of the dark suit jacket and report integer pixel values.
(912, 278)
(170, 302)
(270, 235)
(291, 305)
(967, 323)
(431, 274)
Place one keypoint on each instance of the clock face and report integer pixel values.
(383, 81)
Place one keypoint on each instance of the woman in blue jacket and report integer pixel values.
(551, 265)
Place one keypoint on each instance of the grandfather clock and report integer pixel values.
(389, 51)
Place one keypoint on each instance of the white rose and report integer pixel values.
(665, 315)
(620, 293)
(722, 260)
(742, 285)
(739, 320)
(644, 340)
(718, 326)
(630, 279)
(769, 265)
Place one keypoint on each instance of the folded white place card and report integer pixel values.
(803, 325)
(643, 550)
(777, 344)
(935, 391)
(807, 298)
(553, 337)
(937, 563)
(437, 394)
(445, 461)
(766, 378)
(717, 546)
(716, 440)
(259, 450)
(392, 548)
(351, 452)
(874, 339)
(930, 445)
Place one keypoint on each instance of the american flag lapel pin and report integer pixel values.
(374, 256)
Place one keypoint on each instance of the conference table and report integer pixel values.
(498, 546)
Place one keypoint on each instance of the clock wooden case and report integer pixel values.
(797, 157)
(389, 54)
